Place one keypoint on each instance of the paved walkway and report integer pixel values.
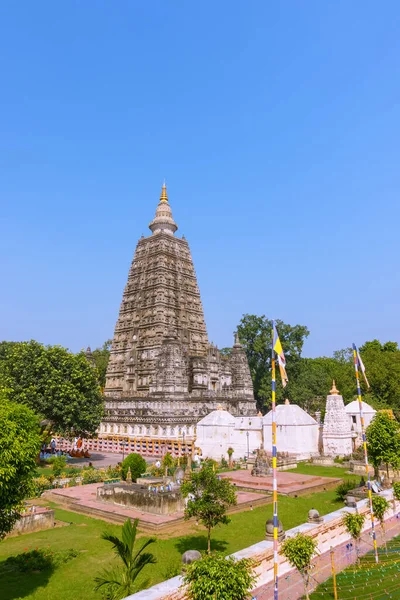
(103, 459)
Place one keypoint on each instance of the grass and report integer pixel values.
(322, 471)
(75, 579)
(369, 581)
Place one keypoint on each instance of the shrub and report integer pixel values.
(354, 523)
(396, 490)
(91, 476)
(215, 576)
(58, 464)
(299, 551)
(343, 488)
(136, 463)
(41, 484)
(223, 463)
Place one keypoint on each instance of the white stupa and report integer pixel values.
(353, 414)
(297, 432)
(337, 435)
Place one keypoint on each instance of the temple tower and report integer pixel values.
(163, 375)
(336, 435)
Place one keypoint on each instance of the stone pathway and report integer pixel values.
(288, 483)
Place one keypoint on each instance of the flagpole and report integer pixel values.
(364, 439)
(274, 469)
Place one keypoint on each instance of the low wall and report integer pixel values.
(330, 533)
(35, 520)
(140, 497)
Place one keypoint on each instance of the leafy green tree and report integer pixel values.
(220, 578)
(255, 335)
(167, 463)
(382, 364)
(120, 582)
(396, 490)
(383, 441)
(137, 465)
(209, 497)
(57, 385)
(230, 452)
(354, 523)
(19, 448)
(299, 551)
(101, 356)
(380, 506)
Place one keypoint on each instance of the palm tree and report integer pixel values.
(119, 581)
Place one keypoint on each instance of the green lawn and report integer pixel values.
(74, 579)
(371, 580)
(309, 469)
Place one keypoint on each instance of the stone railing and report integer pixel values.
(330, 534)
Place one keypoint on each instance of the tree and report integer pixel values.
(396, 490)
(57, 385)
(167, 463)
(220, 578)
(383, 441)
(299, 551)
(380, 506)
(382, 364)
(120, 581)
(101, 356)
(255, 335)
(19, 447)
(354, 523)
(137, 465)
(230, 452)
(209, 497)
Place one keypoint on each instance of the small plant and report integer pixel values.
(354, 523)
(343, 489)
(120, 581)
(90, 476)
(230, 453)
(215, 576)
(396, 490)
(41, 484)
(299, 551)
(58, 464)
(223, 463)
(380, 506)
(167, 463)
(136, 463)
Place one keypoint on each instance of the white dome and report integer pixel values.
(218, 417)
(289, 414)
(353, 408)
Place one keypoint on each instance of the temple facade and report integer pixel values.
(164, 375)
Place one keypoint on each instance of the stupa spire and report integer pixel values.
(164, 195)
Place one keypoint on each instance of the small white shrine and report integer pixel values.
(353, 414)
(337, 435)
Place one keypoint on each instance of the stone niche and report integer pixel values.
(142, 497)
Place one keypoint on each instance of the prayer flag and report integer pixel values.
(361, 365)
(277, 346)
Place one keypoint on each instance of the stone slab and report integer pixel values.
(288, 483)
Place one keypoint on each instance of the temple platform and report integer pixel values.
(83, 499)
(289, 484)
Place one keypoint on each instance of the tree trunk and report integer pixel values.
(209, 540)
(305, 583)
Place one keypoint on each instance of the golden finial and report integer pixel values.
(164, 196)
(334, 391)
(219, 407)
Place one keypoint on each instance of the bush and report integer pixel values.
(215, 576)
(58, 464)
(396, 490)
(91, 476)
(342, 489)
(41, 484)
(223, 463)
(136, 463)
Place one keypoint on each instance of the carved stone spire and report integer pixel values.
(163, 222)
(334, 391)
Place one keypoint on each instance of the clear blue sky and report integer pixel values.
(276, 126)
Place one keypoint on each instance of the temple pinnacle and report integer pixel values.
(164, 196)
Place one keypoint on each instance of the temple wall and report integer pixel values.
(301, 440)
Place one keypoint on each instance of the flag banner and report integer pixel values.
(277, 347)
(361, 365)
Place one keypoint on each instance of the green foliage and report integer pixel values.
(380, 506)
(136, 463)
(256, 337)
(91, 475)
(219, 578)
(59, 386)
(396, 490)
(208, 499)
(383, 441)
(120, 581)
(382, 364)
(299, 551)
(39, 559)
(19, 447)
(168, 463)
(344, 487)
(41, 484)
(224, 463)
(58, 464)
(354, 523)
(101, 357)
